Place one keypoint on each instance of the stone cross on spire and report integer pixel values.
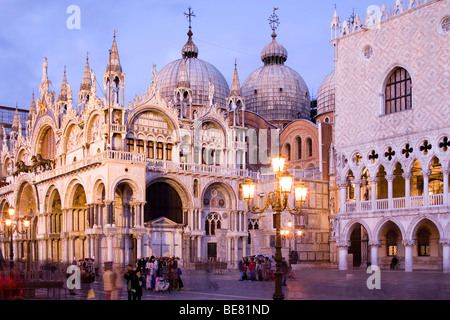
(189, 16)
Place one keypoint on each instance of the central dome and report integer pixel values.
(199, 73)
(275, 91)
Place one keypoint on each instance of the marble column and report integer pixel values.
(373, 192)
(426, 191)
(407, 176)
(343, 254)
(445, 172)
(408, 244)
(374, 248)
(390, 179)
(445, 255)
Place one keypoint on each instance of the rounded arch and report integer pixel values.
(98, 190)
(45, 123)
(163, 200)
(51, 195)
(224, 186)
(159, 110)
(71, 191)
(185, 194)
(26, 202)
(94, 124)
(136, 187)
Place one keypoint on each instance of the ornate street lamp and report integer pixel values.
(278, 200)
(12, 225)
(289, 234)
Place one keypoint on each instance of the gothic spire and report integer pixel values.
(32, 107)
(235, 86)
(114, 62)
(86, 83)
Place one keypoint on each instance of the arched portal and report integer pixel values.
(163, 201)
(359, 245)
(164, 217)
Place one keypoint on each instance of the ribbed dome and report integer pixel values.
(275, 91)
(198, 74)
(326, 95)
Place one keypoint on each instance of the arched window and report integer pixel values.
(299, 147)
(398, 91)
(309, 145)
(288, 151)
(212, 223)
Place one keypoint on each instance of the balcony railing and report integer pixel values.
(397, 203)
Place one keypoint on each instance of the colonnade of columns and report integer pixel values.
(408, 246)
(408, 202)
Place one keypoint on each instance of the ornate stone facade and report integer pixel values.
(392, 164)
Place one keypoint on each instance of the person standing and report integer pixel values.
(128, 276)
(241, 270)
(252, 269)
(137, 282)
(285, 270)
(109, 283)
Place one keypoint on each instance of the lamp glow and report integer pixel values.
(278, 164)
(286, 182)
(300, 192)
(248, 189)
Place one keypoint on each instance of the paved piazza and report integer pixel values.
(310, 284)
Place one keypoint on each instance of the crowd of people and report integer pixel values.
(262, 268)
(154, 273)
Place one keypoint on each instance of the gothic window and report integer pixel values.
(423, 241)
(212, 223)
(398, 91)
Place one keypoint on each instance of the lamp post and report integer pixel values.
(278, 200)
(12, 225)
(289, 235)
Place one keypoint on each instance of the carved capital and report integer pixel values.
(408, 242)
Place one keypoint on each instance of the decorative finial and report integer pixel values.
(115, 31)
(274, 22)
(87, 55)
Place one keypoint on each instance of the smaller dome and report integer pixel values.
(326, 95)
(190, 50)
(274, 53)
